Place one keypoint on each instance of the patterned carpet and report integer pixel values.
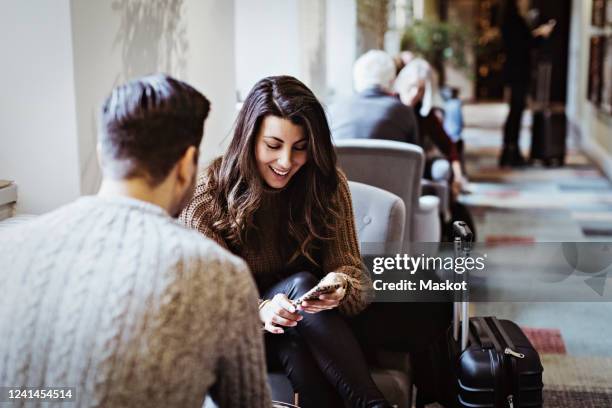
(571, 381)
(571, 203)
(546, 341)
(577, 381)
(537, 204)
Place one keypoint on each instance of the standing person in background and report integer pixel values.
(111, 296)
(276, 199)
(519, 40)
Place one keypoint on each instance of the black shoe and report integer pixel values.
(505, 159)
(511, 157)
(518, 160)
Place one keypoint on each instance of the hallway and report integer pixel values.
(537, 204)
(571, 203)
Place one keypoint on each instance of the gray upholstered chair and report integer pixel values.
(396, 167)
(440, 189)
(379, 218)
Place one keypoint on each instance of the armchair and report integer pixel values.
(380, 218)
(396, 167)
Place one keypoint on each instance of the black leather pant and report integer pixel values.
(323, 356)
(320, 355)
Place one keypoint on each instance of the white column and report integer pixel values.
(267, 41)
(312, 45)
(341, 34)
(281, 37)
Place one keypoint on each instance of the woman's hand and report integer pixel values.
(329, 300)
(545, 30)
(279, 311)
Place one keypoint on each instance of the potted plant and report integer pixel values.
(438, 42)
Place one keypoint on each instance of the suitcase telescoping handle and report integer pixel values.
(544, 74)
(463, 245)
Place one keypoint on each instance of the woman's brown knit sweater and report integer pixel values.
(269, 258)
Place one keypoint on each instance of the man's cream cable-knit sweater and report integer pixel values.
(112, 297)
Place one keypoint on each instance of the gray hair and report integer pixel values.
(374, 68)
(415, 72)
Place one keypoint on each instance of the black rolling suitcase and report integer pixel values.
(548, 136)
(549, 127)
(495, 364)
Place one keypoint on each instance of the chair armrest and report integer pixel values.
(394, 360)
(392, 372)
(426, 226)
(441, 190)
(428, 204)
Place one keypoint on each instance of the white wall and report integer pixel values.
(591, 126)
(38, 132)
(267, 41)
(312, 40)
(191, 40)
(212, 68)
(60, 60)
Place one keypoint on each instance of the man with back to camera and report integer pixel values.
(111, 296)
(373, 112)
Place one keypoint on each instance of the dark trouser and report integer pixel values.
(518, 101)
(409, 327)
(322, 356)
(417, 328)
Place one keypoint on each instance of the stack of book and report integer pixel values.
(8, 199)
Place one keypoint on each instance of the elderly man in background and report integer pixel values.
(112, 297)
(373, 112)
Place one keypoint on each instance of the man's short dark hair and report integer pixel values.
(148, 124)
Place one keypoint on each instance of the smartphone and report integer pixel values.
(314, 293)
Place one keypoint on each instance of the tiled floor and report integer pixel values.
(537, 204)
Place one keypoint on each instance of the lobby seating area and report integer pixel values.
(431, 111)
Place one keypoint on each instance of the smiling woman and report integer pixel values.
(280, 150)
(277, 200)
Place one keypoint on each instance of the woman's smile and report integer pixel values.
(280, 173)
(280, 150)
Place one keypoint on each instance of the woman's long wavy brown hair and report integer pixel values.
(237, 188)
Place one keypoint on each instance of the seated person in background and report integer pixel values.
(111, 296)
(373, 112)
(414, 86)
(453, 114)
(453, 122)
